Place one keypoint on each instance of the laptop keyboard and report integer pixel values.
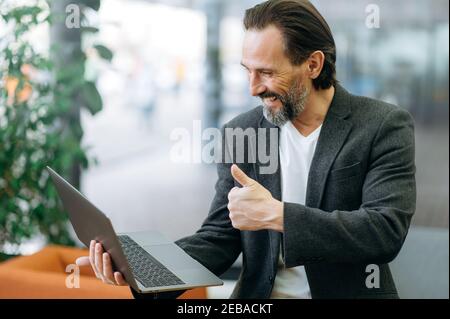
(146, 269)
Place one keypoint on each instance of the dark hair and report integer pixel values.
(304, 31)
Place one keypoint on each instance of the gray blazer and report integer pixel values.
(361, 195)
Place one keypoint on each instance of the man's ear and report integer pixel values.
(315, 64)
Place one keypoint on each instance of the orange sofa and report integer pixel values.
(43, 275)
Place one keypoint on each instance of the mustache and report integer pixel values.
(269, 94)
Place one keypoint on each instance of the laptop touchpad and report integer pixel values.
(171, 256)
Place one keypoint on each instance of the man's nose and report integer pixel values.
(256, 86)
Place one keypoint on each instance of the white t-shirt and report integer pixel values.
(296, 154)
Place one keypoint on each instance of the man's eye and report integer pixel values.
(267, 73)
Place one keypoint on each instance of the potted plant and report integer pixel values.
(38, 101)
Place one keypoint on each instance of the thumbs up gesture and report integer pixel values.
(252, 206)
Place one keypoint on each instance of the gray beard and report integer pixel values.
(292, 106)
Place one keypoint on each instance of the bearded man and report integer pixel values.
(341, 199)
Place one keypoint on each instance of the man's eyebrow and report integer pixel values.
(258, 69)
(242, 63)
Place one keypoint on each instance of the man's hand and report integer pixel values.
(100, 262)
(252, 207)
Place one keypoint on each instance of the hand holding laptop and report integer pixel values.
(100, 261)
(147, 259)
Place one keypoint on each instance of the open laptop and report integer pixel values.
(148, 261)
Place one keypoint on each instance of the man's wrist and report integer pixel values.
(276, 210)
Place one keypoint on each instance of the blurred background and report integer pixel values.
(149, 67)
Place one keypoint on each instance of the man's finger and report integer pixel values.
(83, 261)
(240, 176)
(232, 192)
(119, 279)
(107, 268)
(92, 252)
(92, 257)
(99, 259)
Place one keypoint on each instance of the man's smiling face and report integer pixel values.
(282, 86)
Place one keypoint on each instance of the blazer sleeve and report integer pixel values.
(216, 245)
(376, 231)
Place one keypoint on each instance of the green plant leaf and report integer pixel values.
(43, 130)
(91, 98)
(93, 4)
(104, 52)
(89, 29)
(19, 12)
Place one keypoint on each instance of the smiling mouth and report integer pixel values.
(271, 99)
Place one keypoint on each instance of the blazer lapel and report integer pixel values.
(271, 182)
(334, 132)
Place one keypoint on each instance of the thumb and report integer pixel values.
(240, 176)
(83, 261)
